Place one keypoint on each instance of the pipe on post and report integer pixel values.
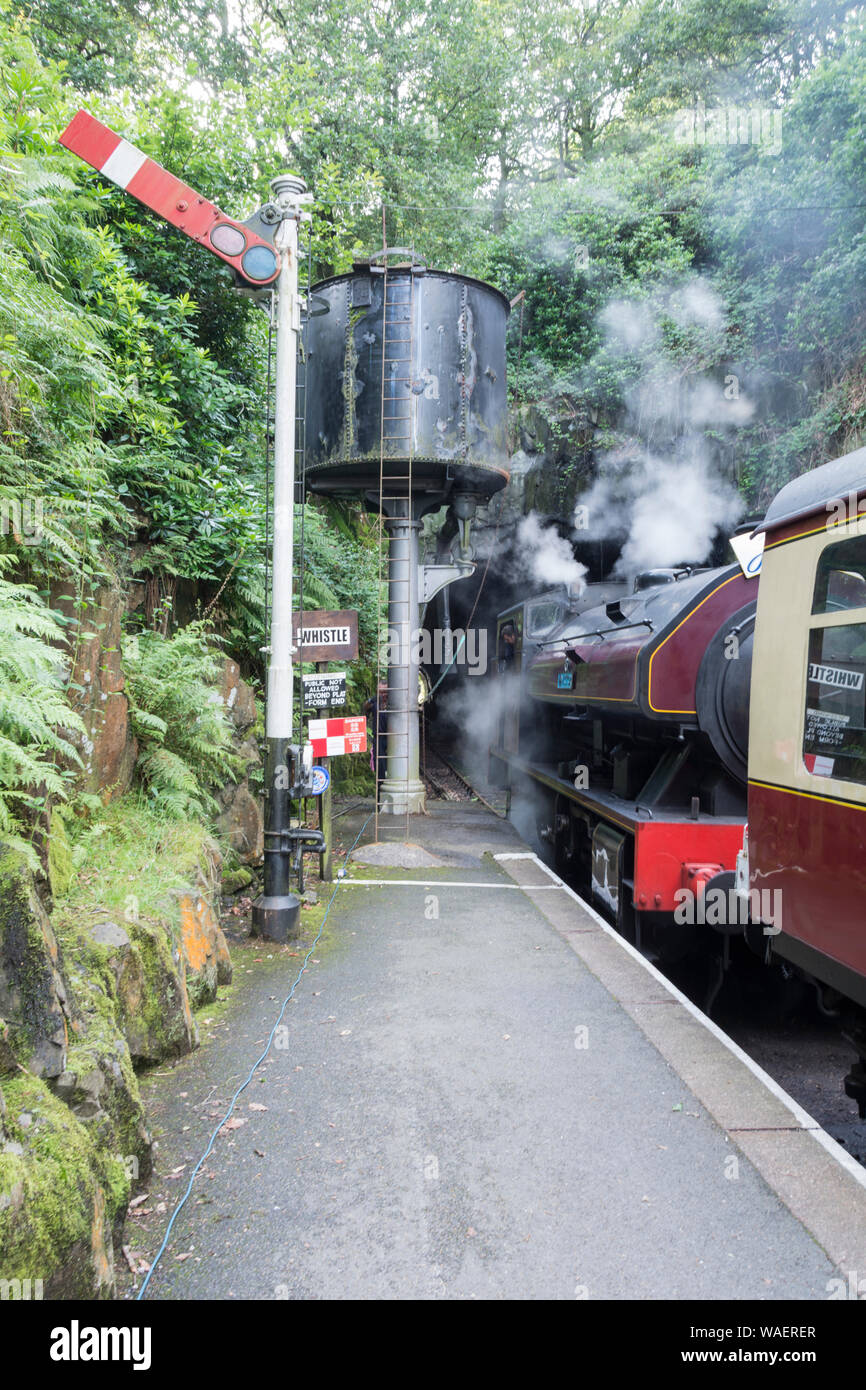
(276, 913)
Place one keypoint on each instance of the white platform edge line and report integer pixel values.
(803, 1118)
(453, 883)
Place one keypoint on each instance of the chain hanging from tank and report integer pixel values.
(397, 436)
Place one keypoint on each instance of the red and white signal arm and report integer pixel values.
(331, 737)
(255, 260)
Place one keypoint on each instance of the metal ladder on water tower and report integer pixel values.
(396, 555)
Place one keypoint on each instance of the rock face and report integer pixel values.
(205, 950)
(144, 974)
(62, 1198)
(72, 1128)
(241, 822)
(80, 1008)
(108, 749)
(33, 997)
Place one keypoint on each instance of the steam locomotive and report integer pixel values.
(696, 744)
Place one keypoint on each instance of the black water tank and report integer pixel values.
(408, 365)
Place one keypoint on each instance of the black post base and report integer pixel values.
(277, 919)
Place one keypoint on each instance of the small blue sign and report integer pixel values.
(565, 680)
(321, 780)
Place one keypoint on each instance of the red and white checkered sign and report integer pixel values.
(173, 200)
(330, 737)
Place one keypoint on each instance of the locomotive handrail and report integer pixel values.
(600, 632)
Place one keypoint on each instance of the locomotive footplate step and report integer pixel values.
(483, 1093)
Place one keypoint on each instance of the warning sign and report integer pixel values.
(325, 691)
(331, 737)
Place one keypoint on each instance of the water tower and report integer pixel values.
(406, 408)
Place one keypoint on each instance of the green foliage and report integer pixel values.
(34, 715)
(178, 715)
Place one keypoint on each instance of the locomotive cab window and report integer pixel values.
(542, 617)
(834, 737)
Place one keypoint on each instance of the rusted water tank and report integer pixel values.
(406, 370)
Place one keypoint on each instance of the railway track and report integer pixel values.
(448, 784)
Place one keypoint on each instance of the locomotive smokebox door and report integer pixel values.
(608, 849)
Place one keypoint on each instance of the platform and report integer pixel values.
(487, 1094)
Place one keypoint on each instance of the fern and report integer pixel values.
(179, 717)
(35, 718)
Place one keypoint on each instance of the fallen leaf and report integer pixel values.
(137, 1201)
(184, 1256)
(234, 1123)
(254, 1105)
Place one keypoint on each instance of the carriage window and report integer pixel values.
(841, 579)
(834, 742)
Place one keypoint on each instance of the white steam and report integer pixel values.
(547, 555)
(661, 492)
(673, 508)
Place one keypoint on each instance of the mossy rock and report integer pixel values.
(233, 880)
(99, 1084)
(32, 990)
(143, 978)
(60, 1198)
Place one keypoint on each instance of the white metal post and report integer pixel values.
(287, 190)
(276, 913)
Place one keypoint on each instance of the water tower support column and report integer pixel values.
(402, 790)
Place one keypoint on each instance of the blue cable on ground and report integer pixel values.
(253, 1068)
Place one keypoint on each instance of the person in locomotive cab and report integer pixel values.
(507, 640)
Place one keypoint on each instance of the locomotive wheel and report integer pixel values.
(564, 848)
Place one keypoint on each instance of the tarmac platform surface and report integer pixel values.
(485, 1094)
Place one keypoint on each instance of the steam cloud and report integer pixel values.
(673, 510)
(547, 555)
(666, 507)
